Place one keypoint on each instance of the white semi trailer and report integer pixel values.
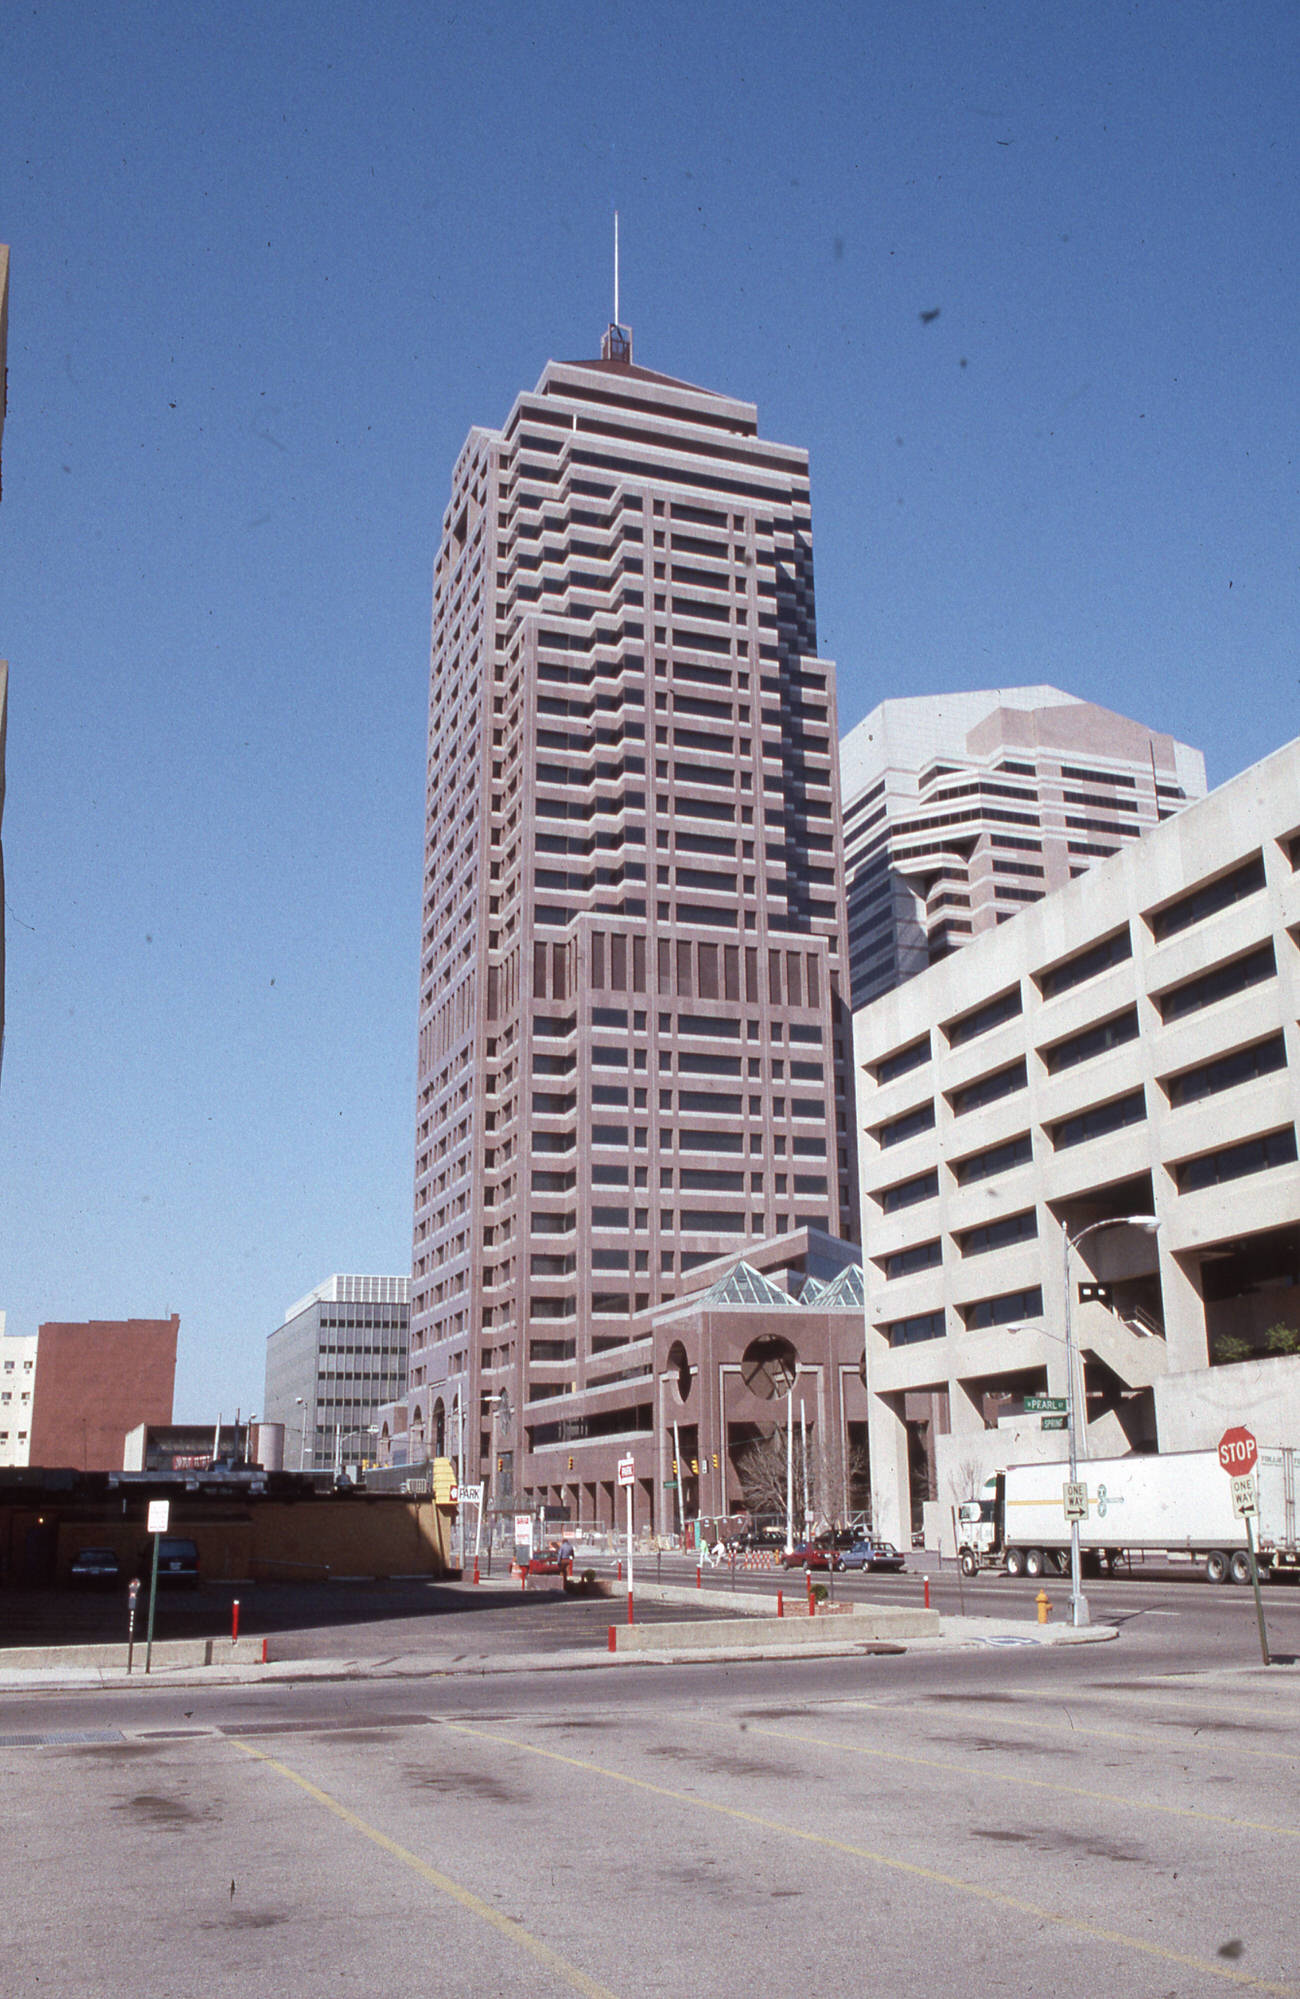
(1179, 1502)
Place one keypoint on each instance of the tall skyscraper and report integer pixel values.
(633, 1037)
(961, 808)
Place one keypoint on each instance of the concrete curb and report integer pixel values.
(836, 1637)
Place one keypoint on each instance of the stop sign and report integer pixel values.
(1237, 1452)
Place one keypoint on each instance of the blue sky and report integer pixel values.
(269, 263)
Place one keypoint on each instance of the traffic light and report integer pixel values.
(674, 1467)
(695, 1466)
(715, 1461)
(500, 1464)
(570, 1464)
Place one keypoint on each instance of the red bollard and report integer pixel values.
(476, 1568)
(780, 1603)
(234, 1621)
(264, 1651)
(812, 1601)
(699, 1582)
(613, 1638)
(927, 1592)
(620, 1572)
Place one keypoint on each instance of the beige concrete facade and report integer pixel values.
(1128, 1046)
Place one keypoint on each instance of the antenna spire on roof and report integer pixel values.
(617, 342)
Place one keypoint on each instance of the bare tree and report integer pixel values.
(965, 1480)
(831, 1485)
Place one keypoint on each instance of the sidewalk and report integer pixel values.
(733, 1637)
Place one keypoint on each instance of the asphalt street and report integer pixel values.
(1004, 1817)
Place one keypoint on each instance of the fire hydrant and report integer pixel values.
(1044, 1603)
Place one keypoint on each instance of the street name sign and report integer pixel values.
(1238, 1451)
(1052, 1423)
(1045, 1405)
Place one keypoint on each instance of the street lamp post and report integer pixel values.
(1078, 1601)
(301, 1401)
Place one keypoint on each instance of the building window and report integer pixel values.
(984, 1018)
(1087, 964)
(918, 1256)
(1207, 900)
(989, 1089)
(1091, 1041)
(999, 1234)
(1099, 1119)
(996, 1159)
(903, 1060)
(899, 1129)
(1263, 1058)
(1237, 976)
(921, 1326)
(1004, 1310)
(906, 1193)
(1256, 1155)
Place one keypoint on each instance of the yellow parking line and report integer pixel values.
(984, 1776)
(994, 1897)
(569, 1974)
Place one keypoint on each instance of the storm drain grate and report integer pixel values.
(61, 1738)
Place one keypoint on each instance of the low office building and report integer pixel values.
(961, 808)
(1128, 1047)
(697, 1399)
(17, 1381)
(94, 1381)
(341, 1352)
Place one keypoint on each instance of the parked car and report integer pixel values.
(95, 1568)
(178, 1561)
(874, 1556)
(812, 1555)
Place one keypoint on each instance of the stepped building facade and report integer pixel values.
(961, 809)
(633, 1028)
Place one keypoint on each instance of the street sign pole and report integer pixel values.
(627, 1478)
(1238, 1454)
(153, 1598)
(156, 1523)
(1259, 1601)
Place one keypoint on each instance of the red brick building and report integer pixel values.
(94, 1382)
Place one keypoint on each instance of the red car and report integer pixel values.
(812, 1555)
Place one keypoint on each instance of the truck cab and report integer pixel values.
(979, 1539)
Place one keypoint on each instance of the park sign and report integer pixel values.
(1238, 1451)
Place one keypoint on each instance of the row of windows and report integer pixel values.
(1232, 1162)
(1221, 982)
(1247, 879)
(999, 1234)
